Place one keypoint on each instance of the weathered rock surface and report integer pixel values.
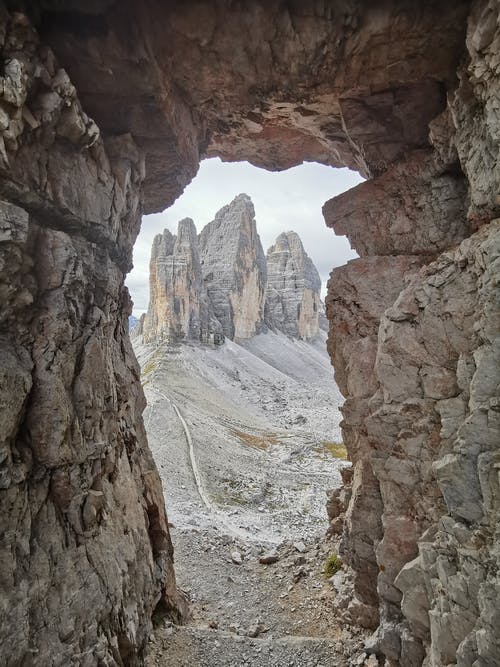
(174, 285)
(85, 551)
(234, 269)
(207, 287)
(448, 489)
(408, 345)
(293, 288)
(368, 85)
(345, 84)
(233, 290)
(416, 207)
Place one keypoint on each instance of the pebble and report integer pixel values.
(300, 547)
(236, 557)
(269, 558)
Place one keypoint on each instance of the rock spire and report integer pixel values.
(293, 288)
(234, 269)
(220, 283)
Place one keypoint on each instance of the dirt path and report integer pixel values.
(189, 440)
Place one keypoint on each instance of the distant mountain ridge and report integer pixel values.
(220, 283)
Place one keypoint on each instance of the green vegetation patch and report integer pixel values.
(332, 565)
(257, 441)
(150, 367)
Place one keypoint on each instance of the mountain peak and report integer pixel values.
(219, 283)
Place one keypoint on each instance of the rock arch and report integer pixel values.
(106, 109)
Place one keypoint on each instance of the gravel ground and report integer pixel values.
(238, 434)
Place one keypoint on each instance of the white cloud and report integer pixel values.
(287, 200)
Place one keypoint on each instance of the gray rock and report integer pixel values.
(293, 289)
(175, 286)
(234, 269)
(76, 584)
(236, 557)
(269, 558)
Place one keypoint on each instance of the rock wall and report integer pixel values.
(85, 553)
(416, 354)
(408, 93)
(231, 289)
(293, 288)
(174, 285)
(207, 287)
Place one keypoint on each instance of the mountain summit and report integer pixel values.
(220, 284)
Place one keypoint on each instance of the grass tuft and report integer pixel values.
(332, 565)
(336, 449)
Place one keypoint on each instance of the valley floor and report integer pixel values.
(243, 438)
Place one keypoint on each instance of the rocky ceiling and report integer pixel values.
(276, 83)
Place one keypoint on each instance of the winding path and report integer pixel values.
(240, 533)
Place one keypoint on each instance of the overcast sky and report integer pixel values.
(283, 201)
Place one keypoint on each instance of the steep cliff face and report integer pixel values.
(234, 269)
(293, 288)
(174, 285)
(85, 551)
(414, 351)
(233, 286)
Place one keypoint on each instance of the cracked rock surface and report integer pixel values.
(105, 110)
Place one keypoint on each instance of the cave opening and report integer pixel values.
(245, 431)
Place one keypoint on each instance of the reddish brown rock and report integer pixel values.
(415, 207)
(85, 551)
(340, 84)
(146, 90)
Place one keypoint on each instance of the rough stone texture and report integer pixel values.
(293, 288)
(451, 591)
(85, 552)
(367, 85)
(358, 294)
(343, 83)
(415, 207)
(234, 269)
(174, 285)
(232, 286)
(416, 354)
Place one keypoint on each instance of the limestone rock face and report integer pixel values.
(345, 84)
(450, 591)
(414, 337)
(293, 288)
(234, 269)
(233, 286)
(175, 285)
(85, 551)
(416, 207)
